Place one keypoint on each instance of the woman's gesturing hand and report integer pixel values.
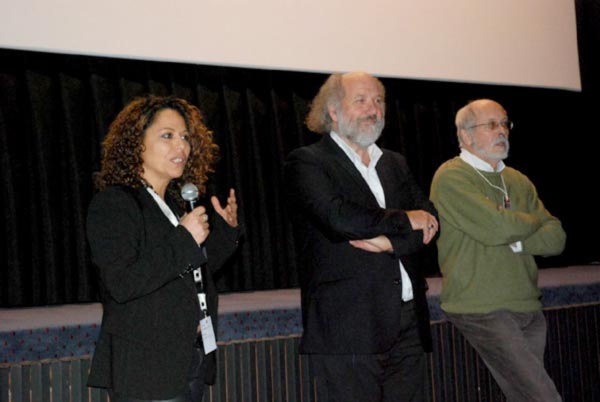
(229, 213)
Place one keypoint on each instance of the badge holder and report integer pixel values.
(209, 341)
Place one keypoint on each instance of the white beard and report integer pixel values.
(353, 130)
(491, 155)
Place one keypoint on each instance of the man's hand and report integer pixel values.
(379, 244)
(423, 220)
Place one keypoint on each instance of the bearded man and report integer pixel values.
(359, 219)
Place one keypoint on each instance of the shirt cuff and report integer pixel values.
(516, 247)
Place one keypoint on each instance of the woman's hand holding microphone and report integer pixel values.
(196, 222)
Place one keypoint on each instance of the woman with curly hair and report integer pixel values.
(157, 338)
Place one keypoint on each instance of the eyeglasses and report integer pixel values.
(492, 125)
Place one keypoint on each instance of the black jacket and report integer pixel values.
(351, 298)
(150, 302)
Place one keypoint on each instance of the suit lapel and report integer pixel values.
(344, 166)
(395, 179)
(388, 177)
(156, 217)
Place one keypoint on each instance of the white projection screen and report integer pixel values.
(507, 42)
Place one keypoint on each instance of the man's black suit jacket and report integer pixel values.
(351, 298)
(150, 302)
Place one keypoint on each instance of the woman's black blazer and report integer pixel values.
(150, 303)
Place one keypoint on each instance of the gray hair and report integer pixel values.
(466, 118)
(331, 93)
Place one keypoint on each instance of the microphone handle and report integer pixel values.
(190, 205)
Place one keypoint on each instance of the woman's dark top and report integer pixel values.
(149, 297)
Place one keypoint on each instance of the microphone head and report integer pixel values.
(189, 192)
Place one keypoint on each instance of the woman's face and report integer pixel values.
(166, 148)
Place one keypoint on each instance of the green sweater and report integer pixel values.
(480, 271)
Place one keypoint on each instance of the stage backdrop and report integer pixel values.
(511, 42)
(55, 110)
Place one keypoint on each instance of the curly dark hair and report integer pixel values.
(123, 146)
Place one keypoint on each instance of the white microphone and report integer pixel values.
(190, 193)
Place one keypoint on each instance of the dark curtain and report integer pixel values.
(55, 110)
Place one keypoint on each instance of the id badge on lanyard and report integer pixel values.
(206, 328)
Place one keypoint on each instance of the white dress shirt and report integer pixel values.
(370, 175)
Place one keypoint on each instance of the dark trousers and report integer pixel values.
(512, 347)
(193, 393)
(397, 375)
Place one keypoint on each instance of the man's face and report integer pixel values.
(361, 115)
(491, 145)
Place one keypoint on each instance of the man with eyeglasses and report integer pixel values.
(492, 223)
